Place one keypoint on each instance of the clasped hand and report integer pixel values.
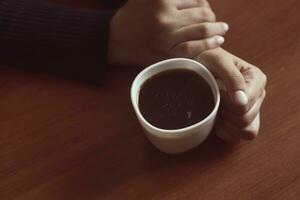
(146, 31)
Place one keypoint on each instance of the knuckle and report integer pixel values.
(213, 17)
(205, 12)
(261, 73)
(208, 14)
(264, 78)
(214, 56)
(186, 49)
(206, 45)
(161, 22)
(194, 14)
(204, 30)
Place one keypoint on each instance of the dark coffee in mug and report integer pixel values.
(175, 99)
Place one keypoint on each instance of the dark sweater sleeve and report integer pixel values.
(112, 4)
(41, 36)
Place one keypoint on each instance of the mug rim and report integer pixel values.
(184, 130)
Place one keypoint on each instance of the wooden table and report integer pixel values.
(62, 139)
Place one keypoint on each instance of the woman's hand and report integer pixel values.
(242, 87)
(145, 31)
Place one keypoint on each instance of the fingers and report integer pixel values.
(195, 16)
(239, 126)
(200, 31)
(222, 65)
(255, 84)
(242, 87)
(184, 4)
(231, 76)
(192, 48)
(250, 132)
(232, 134)
(242, 120)
(234, 127)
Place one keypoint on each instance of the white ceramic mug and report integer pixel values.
(178, 140)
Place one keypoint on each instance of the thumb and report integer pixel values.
(223, 67)
(234, 83)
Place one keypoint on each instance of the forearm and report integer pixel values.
(45, 37)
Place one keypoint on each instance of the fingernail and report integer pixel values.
(219, 40)
(240, 98)
(225, 26)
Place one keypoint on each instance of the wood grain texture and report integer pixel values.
(62, 139)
